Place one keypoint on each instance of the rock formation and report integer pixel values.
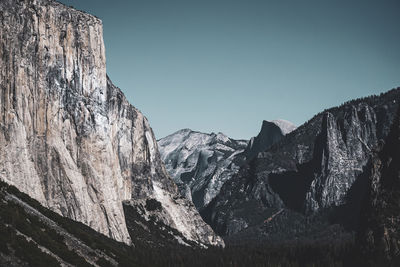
(68, 136)
(309, 170)
(201, 163)
(271, 132)
(379, 236)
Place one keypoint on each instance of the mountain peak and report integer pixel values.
(270, 133)
(184, 131)
(200, 162)
(285, 126)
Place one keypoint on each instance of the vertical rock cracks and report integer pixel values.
(68, 136)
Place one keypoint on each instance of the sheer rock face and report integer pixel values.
(310, 169)
(271, 132)
(201, 163)
(379, 235)
(68, 137)
(345, 146)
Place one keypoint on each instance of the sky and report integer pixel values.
(226, 65)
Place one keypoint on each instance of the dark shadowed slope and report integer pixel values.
(310, 171)
(380, 225)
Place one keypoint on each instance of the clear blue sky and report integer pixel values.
(226, 65)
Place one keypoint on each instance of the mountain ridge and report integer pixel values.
(271, 132)
(77, 144)
(351, 129)
(200, 162)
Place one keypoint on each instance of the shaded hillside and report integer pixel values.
(271, 132)
(201, 163)
(318, 168)
(32, 235)
(379, 236)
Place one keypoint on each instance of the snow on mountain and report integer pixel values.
(200, 163)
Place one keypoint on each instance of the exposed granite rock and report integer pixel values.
(379, 236)
(345, 144)
(68, 136)
(271, 132)
(201, 163)
(310, 169)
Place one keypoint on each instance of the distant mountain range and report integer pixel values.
(317, 171)
(85, 183)
(201, 163)
(311, 183)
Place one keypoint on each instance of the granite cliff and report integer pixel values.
(310, 171)
(201, 163)
(68, 136)
(271, 132)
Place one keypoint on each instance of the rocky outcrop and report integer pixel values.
(344, 147)
(68, 136)
(271, 132)
(379, 236)
(309, 170)
(201, 163)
